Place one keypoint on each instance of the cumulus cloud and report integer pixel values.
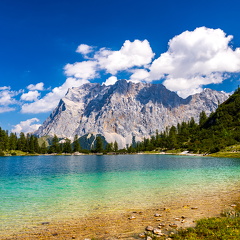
(110, 81)
(132, 54)
(30, 96)
(38, 86)
(139, 75)
(26, 126)
(7, 99)
(82, 70)
(4, 109)
(185, 86)
(5, 88)
(84, 49)
(194, 59)
(50, 100)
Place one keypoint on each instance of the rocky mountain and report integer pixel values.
(125, 109)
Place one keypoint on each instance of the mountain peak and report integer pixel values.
(123, 110)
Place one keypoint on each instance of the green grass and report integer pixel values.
(212, 229)
(226, 154)
(226, 227)
(221, 228)
(230, 152)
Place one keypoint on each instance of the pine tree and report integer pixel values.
(36, 145)
(55, 147)
(109, 147)
(22, 142)
(173, 138)
(115, 146)
(30, 140)
(67, 146)
(99, 145)
(43, 148)
(13, 141)
(76, 144)
(202, 118)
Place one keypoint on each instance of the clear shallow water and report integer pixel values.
(45, 188)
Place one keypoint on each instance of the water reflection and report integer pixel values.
(54, 165)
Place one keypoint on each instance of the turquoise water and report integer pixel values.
(48, 188)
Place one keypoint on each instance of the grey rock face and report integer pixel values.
(125, 109)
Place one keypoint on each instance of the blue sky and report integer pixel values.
(49, 46)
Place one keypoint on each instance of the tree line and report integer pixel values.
(25, 143)
(209, 135)
(29, 143)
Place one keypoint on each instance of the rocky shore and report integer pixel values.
(158, 221)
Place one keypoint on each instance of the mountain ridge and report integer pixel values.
(125, 109)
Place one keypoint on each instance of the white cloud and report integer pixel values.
(26, 126)
(6, 97)
(84, 49)
(195, 59)
(38, 86)
(5, 88)
(50, 100)
(185, 86)
(110, 81)
(4, 109)
(30, 96)
(83, 70)
(132, 54)
(139, 75)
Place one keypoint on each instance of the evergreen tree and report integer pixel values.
(109, 147)
(67, 148)
(115, 146)
(43, 148)
(76, 144)
(4, 142)
(22, 143)
(202, 118)
(134, 144)
(36, 145)
(13, 141)
(99, 145)
(55, 147)
(173, 138)
(30, 140)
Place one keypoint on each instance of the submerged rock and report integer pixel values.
(45, 223)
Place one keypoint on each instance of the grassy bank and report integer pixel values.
(226, 154)
(212, 229)
(215, 228)
(232, 151)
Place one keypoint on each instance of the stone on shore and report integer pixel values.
(149, 228)
(157, 231)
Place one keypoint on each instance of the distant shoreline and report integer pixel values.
(184, 153)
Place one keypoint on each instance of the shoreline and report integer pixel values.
(222, 154)
(129, 223)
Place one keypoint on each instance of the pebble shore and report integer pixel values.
(158, 221)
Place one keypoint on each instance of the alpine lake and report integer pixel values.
(53, 193)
